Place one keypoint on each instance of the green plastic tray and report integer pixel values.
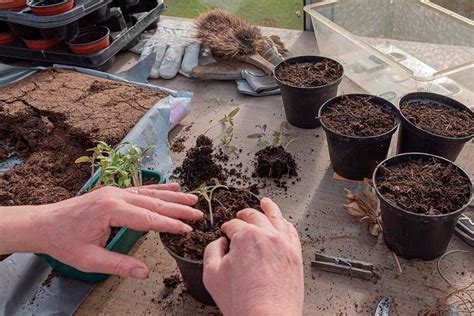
(123, 242)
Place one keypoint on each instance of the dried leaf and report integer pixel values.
(259, 135)
(354, 210)
(375, 229)
(82, 159)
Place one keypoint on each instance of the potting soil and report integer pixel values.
(424, 187)
(225, 205)
(200, 166)
(358, 116)
(439, 119)
(51, 118)
(274, 162)
(309, 75)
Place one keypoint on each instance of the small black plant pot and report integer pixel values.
(356, 157)
(192, 272)
(302, 104)
(414, 139)
(411, 235)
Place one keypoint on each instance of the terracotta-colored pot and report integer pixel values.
(47, 8)
(41, 44)
(90, 40)
(6, 38)
(14, 5)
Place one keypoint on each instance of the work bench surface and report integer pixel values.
(313, 204)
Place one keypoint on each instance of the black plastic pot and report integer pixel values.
(411, 235)
(354, 157)
(302, 104)
(414, 139)
(192, 271)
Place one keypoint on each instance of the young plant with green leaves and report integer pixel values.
(227, 124)
(281, 137)
(119, 169)
(206, 194)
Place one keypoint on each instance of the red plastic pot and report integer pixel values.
(90, 40)
(6, 38)
(41, 44)
(50, 7)
(14, 5)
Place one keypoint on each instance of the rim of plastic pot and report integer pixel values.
(298, 60)
(437, 98)
(105, 33)
(379, 100)
(426, 156)
(34, 4)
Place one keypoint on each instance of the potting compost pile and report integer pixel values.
(231, 151)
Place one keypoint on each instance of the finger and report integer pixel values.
(233, 227)
(214, 253)
(142, 219)
(169, 196)
(256, 218)
(173, 186)
(99, 260)
(164, 208)
(273, 213)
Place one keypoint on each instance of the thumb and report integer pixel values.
(214, 253)
(100, 260)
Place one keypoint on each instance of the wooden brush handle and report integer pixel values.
(258, 61)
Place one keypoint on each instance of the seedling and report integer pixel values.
(280, 137)
(206, 193)
(227, 123)
(119, 169)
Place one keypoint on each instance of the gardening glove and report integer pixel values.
(176, 49)
(257, 84)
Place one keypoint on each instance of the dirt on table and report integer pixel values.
(358, 116)
(274, 162)
(51, 118)
(307, 75)
(225, 205)
(172, 281)
(424, 187)
(439, 119)
(200, 165)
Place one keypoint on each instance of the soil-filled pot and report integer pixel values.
(414, 138)
(37, 43)
(14, 5)
(90, 40)
(411, 234)
(122, 242)
(188, 249)
(356, 156)
(50, 7)
(302, 100)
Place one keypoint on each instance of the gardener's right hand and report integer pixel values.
(75, 231)
(262, 273)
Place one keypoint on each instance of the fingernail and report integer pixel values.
(198, 213)
(187, 228)
(140, 273)
(265, 199)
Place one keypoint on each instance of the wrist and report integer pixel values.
(21, 227)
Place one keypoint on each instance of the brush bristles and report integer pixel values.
(227, 36)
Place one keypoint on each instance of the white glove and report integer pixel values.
(176, 47)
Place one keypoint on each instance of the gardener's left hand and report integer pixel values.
(75, 231)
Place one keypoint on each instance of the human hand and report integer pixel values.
(75, 231)
(262, 274)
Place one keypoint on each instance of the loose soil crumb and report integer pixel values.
(50, 119)
(178, 144)
(172, 281)
(200, 167)
(439, 119)
(309, 74)
(274, 162)
(358, 116)
(225, 205)
(424, 187)
(50, 277)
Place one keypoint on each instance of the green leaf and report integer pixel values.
(234, 112)
(82, 159)
(259, 135)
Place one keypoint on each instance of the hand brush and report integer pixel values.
(228, 37)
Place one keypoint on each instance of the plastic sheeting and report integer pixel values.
(22, 291)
